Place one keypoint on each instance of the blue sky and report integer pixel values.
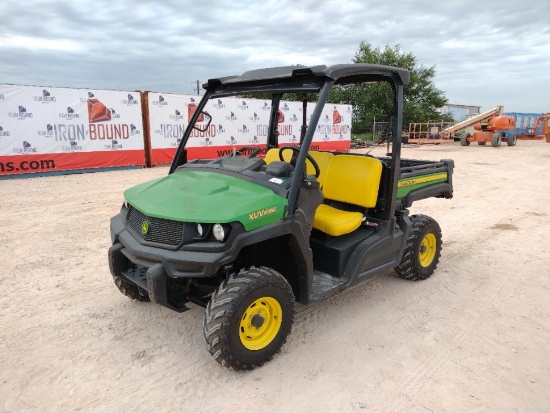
(486, 52)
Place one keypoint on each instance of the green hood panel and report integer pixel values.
(207, 197)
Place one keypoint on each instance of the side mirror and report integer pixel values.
(206, 116)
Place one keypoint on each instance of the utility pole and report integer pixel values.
(198, 88)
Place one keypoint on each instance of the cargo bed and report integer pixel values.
(420, 179)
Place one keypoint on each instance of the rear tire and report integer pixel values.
(422, 250)
(512, 140)
(249, 318)
(496, 140)
(464, 140)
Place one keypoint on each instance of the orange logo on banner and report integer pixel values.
(191, 109)
(336, 117)
(281, 116)
(97, 111)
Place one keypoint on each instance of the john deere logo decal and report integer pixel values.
(144, 227)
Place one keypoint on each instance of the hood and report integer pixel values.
(207, 197)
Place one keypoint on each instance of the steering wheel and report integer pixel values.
(255, 151)
(308, 156)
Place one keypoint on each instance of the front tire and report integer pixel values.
(422, 250)
(512, 140)
(249, 318)
(464, 140)
(496, 140)
(130, 290)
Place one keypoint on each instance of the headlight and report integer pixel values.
(200, 230)
(125, 203)
(219, 232)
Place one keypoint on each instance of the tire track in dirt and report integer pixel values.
(162, 361)
(486, 294)
(28, 319)
(165, 376)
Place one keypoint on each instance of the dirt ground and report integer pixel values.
(474, 337)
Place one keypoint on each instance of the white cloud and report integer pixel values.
(36, 43)
(486, 52)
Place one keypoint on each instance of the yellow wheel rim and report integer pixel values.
(260, 323)
(428, 248)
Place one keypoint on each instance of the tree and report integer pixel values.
(421, 97)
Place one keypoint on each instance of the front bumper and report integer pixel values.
(153, 268)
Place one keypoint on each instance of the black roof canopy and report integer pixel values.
(341, 74)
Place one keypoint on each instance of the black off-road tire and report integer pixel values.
(464, 140)
(130, 290)
(496, 140)
(411, 267)
(511, 140)
(227, 310)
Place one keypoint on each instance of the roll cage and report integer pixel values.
(313, 79)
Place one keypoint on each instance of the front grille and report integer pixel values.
(160, 231)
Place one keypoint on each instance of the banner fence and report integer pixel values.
(45, 129)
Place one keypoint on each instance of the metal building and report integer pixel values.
(460, 112)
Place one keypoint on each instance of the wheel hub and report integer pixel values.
(260, 323)
(427, 250)
(257, 320)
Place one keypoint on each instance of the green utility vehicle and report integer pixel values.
(246, 236)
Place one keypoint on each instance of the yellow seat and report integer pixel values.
(322, 159)
(334, 221)
(352, 180)
(272, 155)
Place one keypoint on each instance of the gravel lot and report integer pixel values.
(474, 337)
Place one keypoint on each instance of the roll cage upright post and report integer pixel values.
(397, 124)
(273, 139)
(301, 162)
